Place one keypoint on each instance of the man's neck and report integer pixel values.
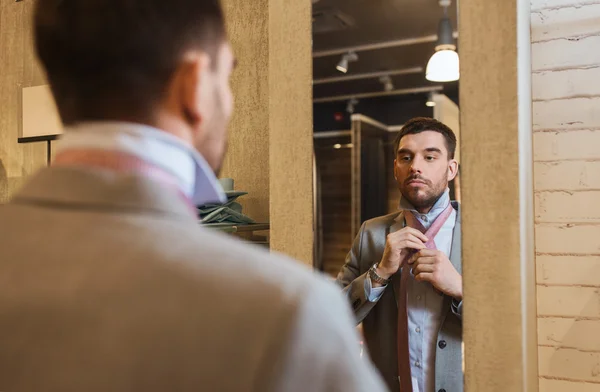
(424, 210)
(405, 204)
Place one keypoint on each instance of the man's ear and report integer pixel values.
(192, 82)
(452, 169)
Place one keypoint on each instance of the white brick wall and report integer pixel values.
(569, 333)
(575, 175)
(567, 207)
(560, 146)
(572, 270)
(573, 53)
(566, 123)
(549, 385)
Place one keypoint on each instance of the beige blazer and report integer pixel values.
(108, 283)
(379, 318)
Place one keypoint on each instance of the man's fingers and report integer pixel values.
(400, 234)
(427, 255)
(416, 233)
(428, 252)
(425, 260)
(424, 277)
(421, 268)
(412, 244)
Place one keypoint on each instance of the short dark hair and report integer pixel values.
(421, 124)
(107, 58)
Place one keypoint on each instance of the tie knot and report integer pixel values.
(431, 232)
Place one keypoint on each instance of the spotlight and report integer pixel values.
(388, 85)
(342, 66)
(430, 102)
(351, 105)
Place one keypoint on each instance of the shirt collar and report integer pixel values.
(191, 171)
(439, 206)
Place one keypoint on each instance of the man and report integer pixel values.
(107, 281)
(403, 274)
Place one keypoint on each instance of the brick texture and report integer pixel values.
(565, 38)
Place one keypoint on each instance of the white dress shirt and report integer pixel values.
(423, 302)
(190, 170)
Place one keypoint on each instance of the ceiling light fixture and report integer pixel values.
(443, 66)
(430, 101)
(342, 66)
(386, 80)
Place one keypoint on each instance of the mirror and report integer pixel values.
(378, 65)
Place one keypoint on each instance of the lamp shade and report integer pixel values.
(443, 66)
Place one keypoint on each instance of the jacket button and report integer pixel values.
(442, 344)
(442, 390)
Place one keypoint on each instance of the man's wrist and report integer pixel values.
(458, 293)
(383, 272)
(377, 280)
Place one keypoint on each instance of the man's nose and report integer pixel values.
(415, 165)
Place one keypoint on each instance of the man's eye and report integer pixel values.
(405, 158)
(430, 158)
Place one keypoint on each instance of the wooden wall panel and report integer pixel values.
(392, 185)
(18, 68)
(334, 168)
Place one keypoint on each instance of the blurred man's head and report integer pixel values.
(156, 62)
(424, 161)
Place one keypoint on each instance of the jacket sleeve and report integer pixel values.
(320, 349)
(353, 281)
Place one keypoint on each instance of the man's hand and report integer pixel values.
(398, 245)
(433, 266)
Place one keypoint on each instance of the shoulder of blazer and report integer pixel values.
(381, 222)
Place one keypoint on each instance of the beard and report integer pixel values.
(424, 197)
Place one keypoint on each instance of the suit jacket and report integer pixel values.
(108, 283)
(379, 318)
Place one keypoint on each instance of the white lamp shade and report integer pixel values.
(443, 66)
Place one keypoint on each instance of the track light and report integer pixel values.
(351, 105)
(388, 85)
(443, 66)
(430, 101)
(338, 146)
(342, 66)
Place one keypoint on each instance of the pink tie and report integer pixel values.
(403, 345)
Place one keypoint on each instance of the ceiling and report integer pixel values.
(346, 23)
